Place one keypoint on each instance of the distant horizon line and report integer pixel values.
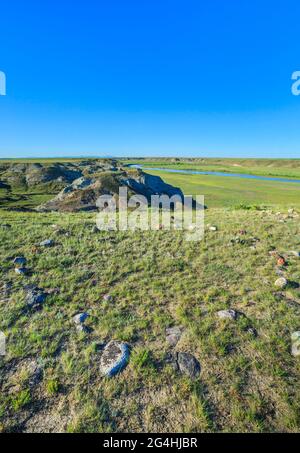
(145, 157)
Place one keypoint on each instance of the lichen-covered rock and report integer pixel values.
(187, 364)
(281, 282)
(173, 335)
(114, 358)
(227, 314)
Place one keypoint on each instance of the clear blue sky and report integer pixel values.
(135, 77)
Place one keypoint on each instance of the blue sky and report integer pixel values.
(159, 78)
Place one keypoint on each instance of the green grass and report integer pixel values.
(229, 192)
(157, 279)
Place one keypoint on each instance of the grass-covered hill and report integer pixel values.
(134, 287)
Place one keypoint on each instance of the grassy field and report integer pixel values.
(289, 168)
(231, 192)
(249, 380)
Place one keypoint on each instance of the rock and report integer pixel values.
(114, 358)
(107, 298)
(227, 314)
(173, 335)
(80, 318)
(53, 291)
(35, 296)
(187, 364)
(35, 373)
(82, 328)
(20, 261)
(295, 337)
(281, 282)
(21, 270)
(252, 331)
(213, 228)
(47, 243)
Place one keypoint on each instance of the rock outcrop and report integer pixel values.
(83, 193)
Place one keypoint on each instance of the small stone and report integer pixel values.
(114, 358)
(281, 282)
(82, 328)
(21, 270)
(35, 296)
(213, 228)
(295, 337)
(227, 314)
(53, 291)
(252, 331)
(20, 261)
(188, 364)
(107, 298)
(47, 243)
(80, 318)
(173, 335)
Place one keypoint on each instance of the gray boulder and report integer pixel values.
(281, 282)
(80, 318)
(47, 243)
(295, 337)
(114, 358)
(35, 296)
(227, 314)
(20, 261)
(173, 335)
(187, 364)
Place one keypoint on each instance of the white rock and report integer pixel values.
(227, 314)
(295, 337)
(281, 282)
